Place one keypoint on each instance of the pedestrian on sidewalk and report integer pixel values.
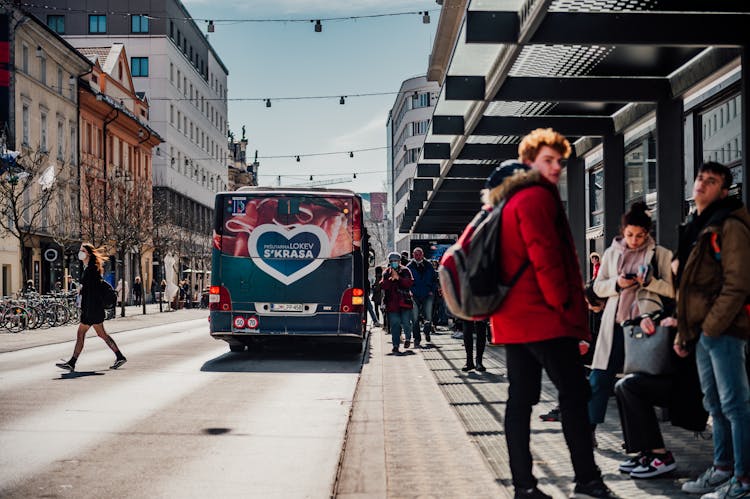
(636, 279)
(713, 272)
(137, 290)
(637, 395)
(396, 283)
(92, 308)
(377, 293)
(543, 316)
(424, 289)
(479, 330)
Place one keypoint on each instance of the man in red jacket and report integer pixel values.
(543, 317)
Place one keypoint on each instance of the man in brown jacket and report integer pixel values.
(713, 272)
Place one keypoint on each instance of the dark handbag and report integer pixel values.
(405, 300)
(648, 354)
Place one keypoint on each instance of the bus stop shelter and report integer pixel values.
(594, 71)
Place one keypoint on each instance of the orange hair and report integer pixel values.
(533, 142)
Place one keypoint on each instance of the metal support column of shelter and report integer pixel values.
(614, 185)
(745, 112)
(670, 171)
(577, 209)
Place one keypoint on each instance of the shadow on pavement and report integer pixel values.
(79, 374)
(289, 357)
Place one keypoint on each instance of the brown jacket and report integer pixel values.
(713, 291)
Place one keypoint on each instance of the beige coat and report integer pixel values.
(604, 286)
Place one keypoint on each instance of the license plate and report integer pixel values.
(286, 307)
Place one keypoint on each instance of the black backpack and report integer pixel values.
(469, 271)
(108, 294)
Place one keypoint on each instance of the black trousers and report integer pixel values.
(637, 394)
(561, 360)
(471, 329)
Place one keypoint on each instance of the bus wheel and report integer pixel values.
(236, 348)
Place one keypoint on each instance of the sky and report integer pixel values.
(279, 59)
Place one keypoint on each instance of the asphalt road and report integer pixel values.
(182, 418)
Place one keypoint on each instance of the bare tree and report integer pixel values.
(27, 187)
(121, 219)
(93, 208)
(65, 228)
(143, 226)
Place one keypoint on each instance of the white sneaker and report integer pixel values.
(733, 489)
(709, 481)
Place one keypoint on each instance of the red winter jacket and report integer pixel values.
(389, 287)
(547, 300)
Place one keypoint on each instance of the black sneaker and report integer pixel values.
(534, 493)
(394, 350)
(551, 416)
(655, 465)
(633, 462)
(468, 367)
(594, 489)
(66, 365)
(480, 367)
(118, 363)
(407, 343)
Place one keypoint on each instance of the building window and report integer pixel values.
(179, 79)
(25, 58)
(722, 141)
(56, 24)
(60, 140)
(43, 132)
(179, 120)
(640, 168)
(171, 73)
(25, 118)
(43, 69)
(59, 80)
(171, 114)
(97, 24)
(72, 144)
(139, 66)
(596, 197)
(139, 23)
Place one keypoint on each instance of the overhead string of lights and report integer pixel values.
(298, 157)
(212, 23)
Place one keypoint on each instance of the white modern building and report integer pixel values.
(407, 126)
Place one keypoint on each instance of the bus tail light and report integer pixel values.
(219, 299)
(353, 300)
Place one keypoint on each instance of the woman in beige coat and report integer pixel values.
(634, 277)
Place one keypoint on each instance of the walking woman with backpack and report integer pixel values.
(92, 307)
(635, 278)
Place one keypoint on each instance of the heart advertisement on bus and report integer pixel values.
(288, 253)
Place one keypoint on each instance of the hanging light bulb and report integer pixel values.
(426, 18)
(351, 154)
(355, 175)
(311, 177)
(318, 26)
(342, 101)
(297, 159)
(268, 102)
(211, 27)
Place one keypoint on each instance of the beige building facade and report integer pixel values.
(43, 126)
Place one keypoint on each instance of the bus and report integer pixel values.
(288, 262)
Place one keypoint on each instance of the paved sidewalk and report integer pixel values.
(134, 319)
(404, 439)
(419, 423)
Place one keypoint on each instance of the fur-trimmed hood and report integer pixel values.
(517, 176)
